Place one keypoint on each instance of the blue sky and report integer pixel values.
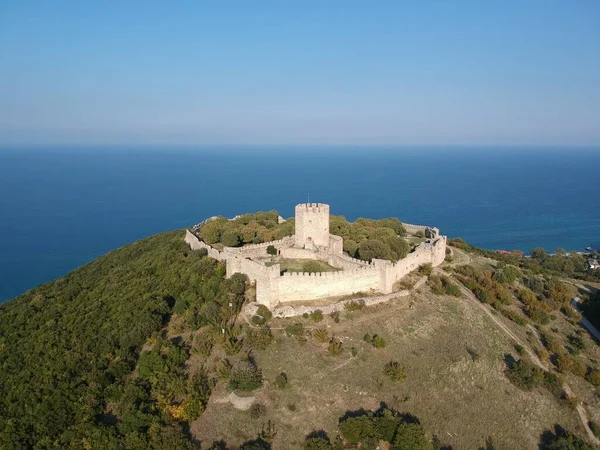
(333, 72)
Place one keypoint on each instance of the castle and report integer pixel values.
(312, 241)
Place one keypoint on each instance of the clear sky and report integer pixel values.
(300, 72)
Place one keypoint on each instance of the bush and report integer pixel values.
(335, 347)
(271, 250)
(259, 338)
(281, 380)
(577, 343)
(317, 443)
(246, 375)
(257, 410)
(355, 429)
(316, 315)
(567, 363)
(595, 428)
(394, 371)
(525, 374)
(411, 436)
(354, 305)
(321, 335)
(378, 342)
(335, 315)
(426, 269)
(202, 344)
(296, 330)
(375, 340)
(593, 376)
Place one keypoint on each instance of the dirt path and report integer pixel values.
(580, 408)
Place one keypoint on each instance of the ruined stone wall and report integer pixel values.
(197, 244)
(255, 250)
(295, 286)
(345, 262)
(412, 229)
(428, 252)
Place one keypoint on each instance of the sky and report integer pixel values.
(499, 72)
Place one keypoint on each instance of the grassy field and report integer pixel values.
(454, 359)
(300, 265)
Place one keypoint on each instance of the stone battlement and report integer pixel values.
(313, 207)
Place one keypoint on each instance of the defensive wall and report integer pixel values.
(273, 288)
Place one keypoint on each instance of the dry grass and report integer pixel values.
(453, 355)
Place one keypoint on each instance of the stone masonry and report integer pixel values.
(313, 241)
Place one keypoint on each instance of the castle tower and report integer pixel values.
(312, 225)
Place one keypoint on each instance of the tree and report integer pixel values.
(271, 250)
(538, 253)
(231, 238)
(411, 436)
(373, 248)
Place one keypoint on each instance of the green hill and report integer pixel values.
(142, 348)
(68, 348)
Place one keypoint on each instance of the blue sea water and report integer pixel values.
(61, 208)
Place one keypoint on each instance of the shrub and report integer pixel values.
(593, 376)
(202, 344)
(335, 315)
(312, 267)
(354, 305)
(355, 429)
(316, 315)
(259, 338)
(335, 347)
(519, 349)
(281, 380)
(525, 375)
(567, 363)
(257, 410)
(296, 330)
(271, 250)
(223, 369)
(394, 371)
(258, 320)
(411, 436)
(595, 428)
(375, 340)
(317, 443)
(426, 269)
(577, 343)
(264, 312)
(321, 335)
(246, 375)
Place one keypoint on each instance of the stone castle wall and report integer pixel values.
(296, 286)
(312, 220)
(412, 229)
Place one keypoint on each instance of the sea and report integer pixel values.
(61, 208)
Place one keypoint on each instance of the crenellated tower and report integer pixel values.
(312, 225)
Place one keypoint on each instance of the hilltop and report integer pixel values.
(148, 347)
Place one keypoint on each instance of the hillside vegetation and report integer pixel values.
(68, 349)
